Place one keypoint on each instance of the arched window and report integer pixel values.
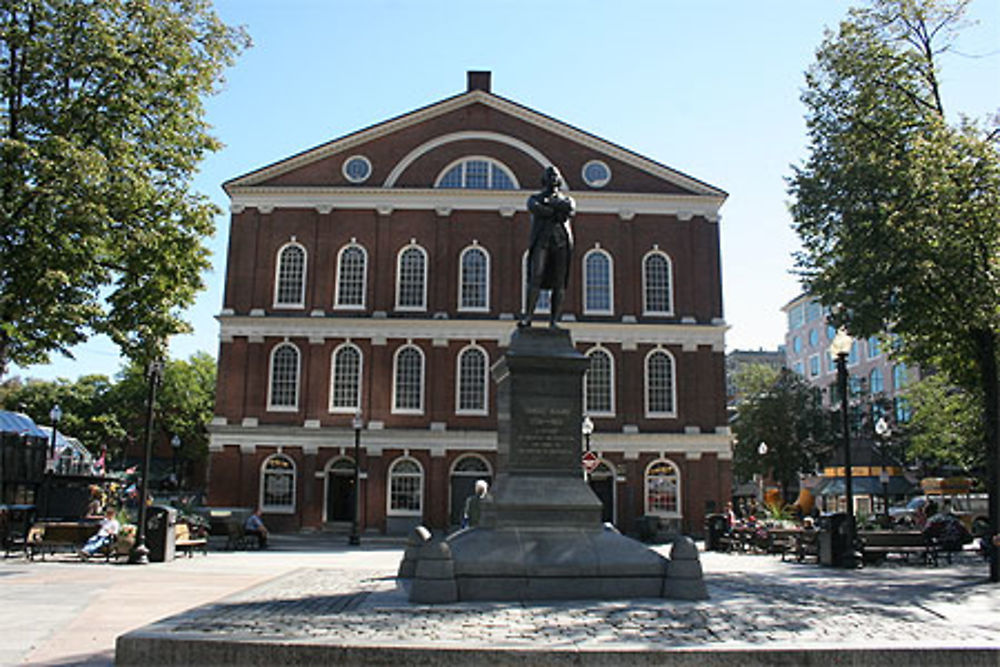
(411, 278)
(876, 382)
(657, 284)
(408, 381)
(599, 383)
(874, 347)
(345, 373)
(474, 280)
(473, 381)
(598, 291)
(283, 385)
(660, 385)
(477, 173)
(352, 274)
(277, 484)
(406, 487)
(290, 278)
(544, 303)
(663, 489)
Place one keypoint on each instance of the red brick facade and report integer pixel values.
(307, 201)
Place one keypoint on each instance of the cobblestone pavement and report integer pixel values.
(755, 601)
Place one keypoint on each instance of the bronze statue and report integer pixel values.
(550, 247)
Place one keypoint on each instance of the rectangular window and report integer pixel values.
(814, 367)
(796, 317)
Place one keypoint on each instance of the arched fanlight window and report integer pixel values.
(477, 173)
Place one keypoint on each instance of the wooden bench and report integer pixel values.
(48, 536)
(877, 545)
(183, 541)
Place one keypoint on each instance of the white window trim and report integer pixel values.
(389, 511)
(364, 279)
(595, 184)
(486, 382)
(270, 378)
(489, 277)
(586, 407)
(277, 509)
(333, 377)
(645, 491)
(819, 363)
(670, 281)
(673, 385)
(350, 179)
(301, 303)
(611, 283)
(494, 163)
(395, 376)
(399, 282)
(454, 464)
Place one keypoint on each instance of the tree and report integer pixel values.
(185, 402)
(788, 415)
(897, 209)
(944, 428)
(101, 129)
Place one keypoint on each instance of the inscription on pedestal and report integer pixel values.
(543, 437)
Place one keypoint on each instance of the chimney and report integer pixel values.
(479, 81)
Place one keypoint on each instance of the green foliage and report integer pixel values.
(945, 427)
(101, 128)
(104, 414)
(896, 208)
(788, 415)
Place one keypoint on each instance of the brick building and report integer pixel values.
(379, 274)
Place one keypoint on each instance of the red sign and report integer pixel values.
(590, 461)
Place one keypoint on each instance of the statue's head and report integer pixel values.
(551, 178)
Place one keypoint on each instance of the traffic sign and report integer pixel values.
(590, 461)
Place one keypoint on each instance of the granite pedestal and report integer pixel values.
(541, 535)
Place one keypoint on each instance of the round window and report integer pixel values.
(596, 174)
(357, 169)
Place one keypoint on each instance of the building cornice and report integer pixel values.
(326, 199)
(689, 336)
(484, 441)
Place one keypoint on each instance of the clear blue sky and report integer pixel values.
(709, 87)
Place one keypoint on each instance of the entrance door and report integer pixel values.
(340, 491)
(602, 482)
(466, 471)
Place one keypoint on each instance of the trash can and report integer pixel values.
(161, 540)
(833, 539)
(716, 526)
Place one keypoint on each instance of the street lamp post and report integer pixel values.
(840, 347)
(55, 414)
(140, 552)
(882, 430)
(175, 444)
(762, 452)
(587, 428)
(358, 424)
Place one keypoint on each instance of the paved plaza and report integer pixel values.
(314, 592)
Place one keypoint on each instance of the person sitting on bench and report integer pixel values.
(105, 535)
(254, 527)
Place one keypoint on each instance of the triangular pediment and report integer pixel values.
(443, 122)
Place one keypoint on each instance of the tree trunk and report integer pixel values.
(986, 346)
